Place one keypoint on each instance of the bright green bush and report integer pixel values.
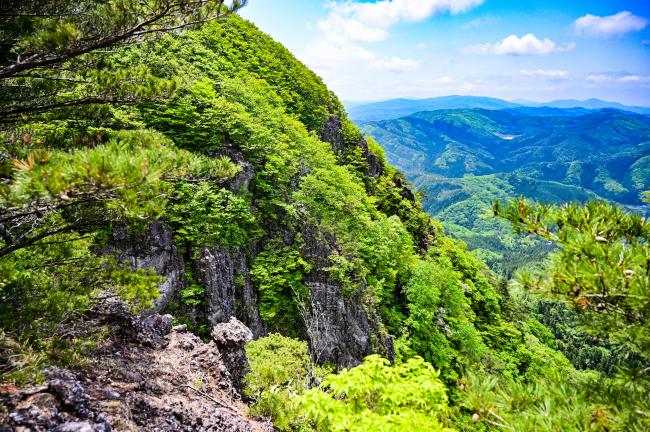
(378, 396)
(278, 273)
(280, 370)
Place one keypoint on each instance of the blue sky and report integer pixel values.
(530, 49)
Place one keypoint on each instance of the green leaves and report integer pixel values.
(278, 274)
(204, 215)
(602, 268)
(130, 173)
(280, 369)
(378, 396)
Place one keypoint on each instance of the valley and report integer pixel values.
(464, 159)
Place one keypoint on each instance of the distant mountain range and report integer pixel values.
(463, 159)
(361, 112)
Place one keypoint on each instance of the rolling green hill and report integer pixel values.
(464, 159)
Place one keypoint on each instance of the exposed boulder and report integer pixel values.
(231, 339)
(214, 270)
(240, 183)
(332, 134)
(339, 328)
(68, 391)
(146, 330)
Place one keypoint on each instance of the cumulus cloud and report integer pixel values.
(394, 64)
(623, 78)
(606, 26)
(351, 23)
(435, 82)
(370, 22)
(528, 44)
(325, 54)
(544, 73)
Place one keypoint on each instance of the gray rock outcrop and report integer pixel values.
(231, 338)
(332, 134)
(340, 330)
(179, 384)
(228, 290)
(155, 250)
(339, 327)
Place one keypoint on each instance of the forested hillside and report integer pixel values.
(205, 179)
(465, 159)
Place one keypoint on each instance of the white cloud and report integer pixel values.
(395, 64)
(599, 78)
(528, 44)
(351, 22)
(370, 22)
(480, 22)
(617, 78)
(634, 79)
(605, 26)
(558, 74)
(421, 46)
(325, 54)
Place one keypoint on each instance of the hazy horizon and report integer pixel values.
(515, 100)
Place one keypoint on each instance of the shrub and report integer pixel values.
(376, 396)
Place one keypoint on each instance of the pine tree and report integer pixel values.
(602, 270)
(56, 54)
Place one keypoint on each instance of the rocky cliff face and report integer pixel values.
(339, 328)
(228, 290)
(332, 134)
(155, 250)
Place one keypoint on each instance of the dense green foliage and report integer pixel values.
(280, 370)
(378, 396)
(54, 53)
(602, 268)
(297, 395)
(601, 271)
(205, 215)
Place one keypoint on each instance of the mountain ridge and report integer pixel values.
(362, 112)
